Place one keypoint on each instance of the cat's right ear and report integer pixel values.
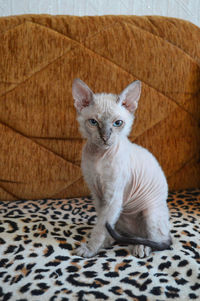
(82, 94)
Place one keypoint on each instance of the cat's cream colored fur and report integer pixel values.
(126, 181)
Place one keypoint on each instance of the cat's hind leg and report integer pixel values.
(154, 226)
(134, 225)
(157, 224)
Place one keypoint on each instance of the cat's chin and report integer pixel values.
(102, 145)
(106, 145)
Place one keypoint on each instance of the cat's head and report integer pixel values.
(104, 118)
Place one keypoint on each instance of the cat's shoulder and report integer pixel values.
(141, 151)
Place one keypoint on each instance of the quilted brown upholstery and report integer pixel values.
(40, 55)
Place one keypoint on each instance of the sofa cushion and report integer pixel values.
(40, 55)
(37, 260)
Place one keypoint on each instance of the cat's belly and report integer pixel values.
(144, 193)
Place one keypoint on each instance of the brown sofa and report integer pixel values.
(40, 56)
(40, 153)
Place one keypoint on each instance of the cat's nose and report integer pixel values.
(106, 135)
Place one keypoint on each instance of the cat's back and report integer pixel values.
(143, 156)
(146, 168)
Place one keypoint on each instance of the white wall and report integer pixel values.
(185, 9)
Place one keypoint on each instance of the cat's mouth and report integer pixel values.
(106, 143)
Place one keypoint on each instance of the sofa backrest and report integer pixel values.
(40, 55)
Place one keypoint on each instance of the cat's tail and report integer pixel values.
(134, 240)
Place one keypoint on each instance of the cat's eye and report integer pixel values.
(118, 123)
(93, 122)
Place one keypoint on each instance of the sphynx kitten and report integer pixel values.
(127, 183)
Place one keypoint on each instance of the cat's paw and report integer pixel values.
(141, 251)
(85, 251)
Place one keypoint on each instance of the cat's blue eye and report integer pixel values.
(118, 123)
(93, 122)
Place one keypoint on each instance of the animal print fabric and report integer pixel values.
(37, 240)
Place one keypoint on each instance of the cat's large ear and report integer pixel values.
(82, 94)
(130, 95)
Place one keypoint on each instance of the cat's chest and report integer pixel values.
(98, 170)
(98, 167)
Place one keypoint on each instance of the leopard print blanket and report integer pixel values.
(37, 240)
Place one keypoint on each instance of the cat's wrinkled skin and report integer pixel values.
(126, 181)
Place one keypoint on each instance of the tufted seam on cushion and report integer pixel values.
(10, 29)
(55, 153)
(26, 30)
(67, 186)
(10, 181)
(37, 72)
(55, 138)
(7, 191)
(195, 156)
(88, 37)
(100, 31)
(185, 163)
(39, 145)
(160, 121)
(53, 61)
(166, 41)
(158, 36)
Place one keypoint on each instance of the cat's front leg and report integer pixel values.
(109, 212)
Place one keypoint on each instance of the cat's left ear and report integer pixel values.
(129, 97)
